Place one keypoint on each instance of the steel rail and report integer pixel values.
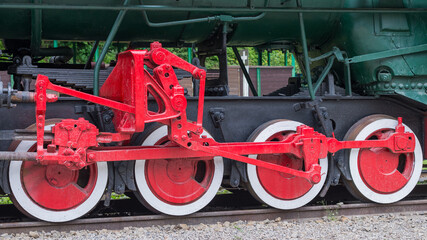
(115, 223)
(215, 9)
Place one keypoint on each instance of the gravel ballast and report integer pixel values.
(384, 226)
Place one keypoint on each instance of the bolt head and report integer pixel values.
(200, 130)
(160, 56)
(155, 45)
(315, 178)
(53, 181)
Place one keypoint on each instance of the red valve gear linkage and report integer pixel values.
(76, 142)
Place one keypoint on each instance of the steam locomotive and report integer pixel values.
(73, 133)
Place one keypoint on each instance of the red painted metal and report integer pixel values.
(281, 185)
(398, 142)
(91, 98)
(56, 187)
(179, 181)
(41, 98)
(71, 139)
(382, 170)
(126, 91)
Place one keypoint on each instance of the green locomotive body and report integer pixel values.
(356, 34)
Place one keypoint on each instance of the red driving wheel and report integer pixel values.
(282, 185)
(378, 174)
(382, 170)
(276, 189)
(56, 187)
(179, 181)
(176, 186)
(54, 193)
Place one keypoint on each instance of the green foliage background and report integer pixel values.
(277, 58)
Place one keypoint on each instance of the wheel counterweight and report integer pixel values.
(55, 193)
(277, 189)
(378, 174)
(176, 187)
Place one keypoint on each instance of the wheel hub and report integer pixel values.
(281, 185)
(60, 176)
(176, 181)
(179, 171)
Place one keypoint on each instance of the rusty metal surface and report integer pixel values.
(213, 217)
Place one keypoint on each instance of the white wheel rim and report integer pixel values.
(44, 214)
(166, 208)
(256, 185)
(356, 176)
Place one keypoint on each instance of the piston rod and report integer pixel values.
(18, 156)
(23, 135)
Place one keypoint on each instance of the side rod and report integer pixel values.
(239, 148)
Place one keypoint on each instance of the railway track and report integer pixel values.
(115, 223)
